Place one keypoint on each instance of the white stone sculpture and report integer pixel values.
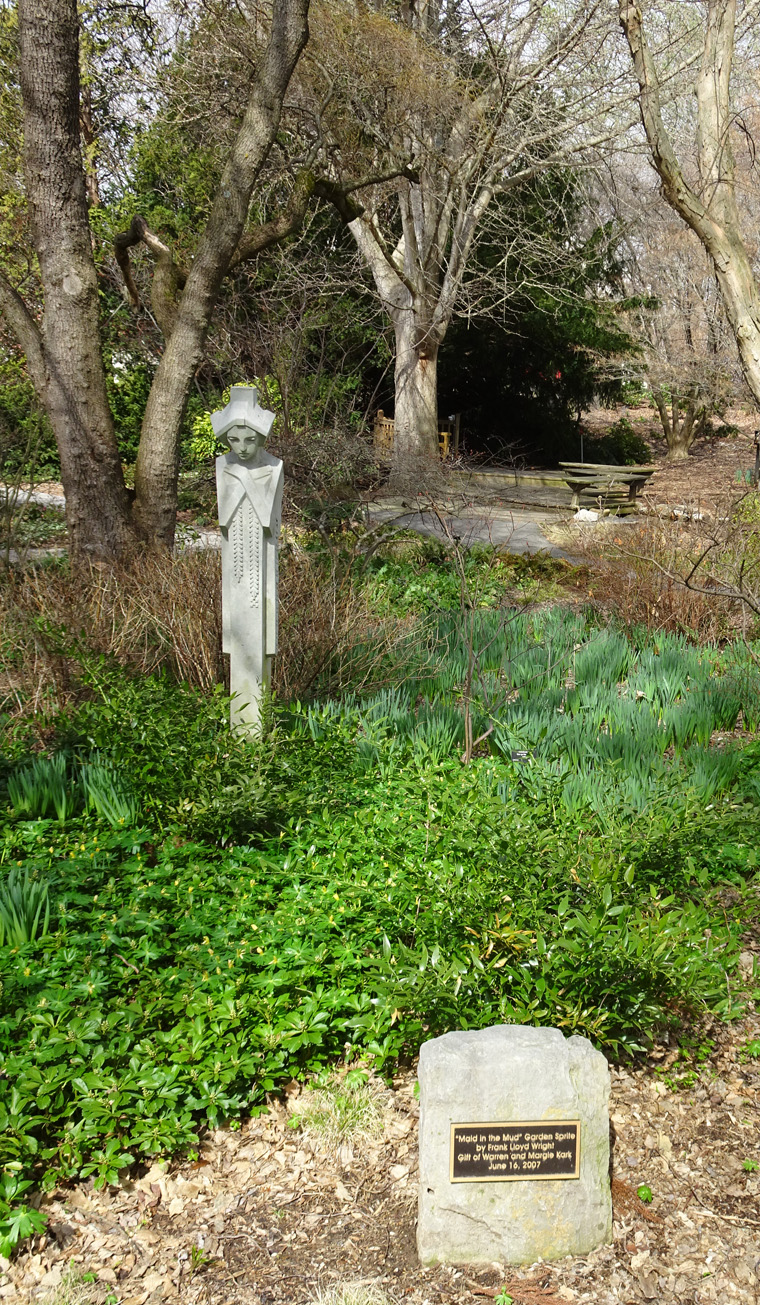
(249, 484)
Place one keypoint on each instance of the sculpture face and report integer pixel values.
(245, 442)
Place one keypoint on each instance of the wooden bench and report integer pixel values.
(615, 487)
(383, 433)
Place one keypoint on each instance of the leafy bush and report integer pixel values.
(27, 443)
(621, 446)
(180, 983)
(128, 382)
(417, 575)
(203, 445)
(635, 394)
(17, 1219)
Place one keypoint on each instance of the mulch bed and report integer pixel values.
(712, 468)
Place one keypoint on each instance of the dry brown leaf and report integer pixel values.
(149, 1285)
(648, 1286)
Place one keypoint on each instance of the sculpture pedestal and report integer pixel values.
(249, 684)
(249, 484)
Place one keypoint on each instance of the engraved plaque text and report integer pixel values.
(502, 1153)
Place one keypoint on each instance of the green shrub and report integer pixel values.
(27, 444)
(17, 1219)
(635, 394)
(620, 446)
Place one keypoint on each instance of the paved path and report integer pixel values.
(32, 496)
(516, 530)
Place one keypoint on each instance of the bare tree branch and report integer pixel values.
(287, 223)
(25, 330)
(168, 280)
(714, 219)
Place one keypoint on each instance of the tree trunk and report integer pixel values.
(411, 308)
(415, 429)
(682, 433)
(678, 447)
(662, 408)
(680, 426)
(158, 455)
(71, 382)
(738, 287)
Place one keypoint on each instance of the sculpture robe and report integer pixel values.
(250, 512)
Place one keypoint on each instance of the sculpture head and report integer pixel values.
(245, 442)
(244, 424)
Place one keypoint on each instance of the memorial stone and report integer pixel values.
(514, 1147)
(249, 484)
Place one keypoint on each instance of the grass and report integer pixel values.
(163, 614)
(77, 1288)
(634, 569)
(341, 1109)
(351, 1293)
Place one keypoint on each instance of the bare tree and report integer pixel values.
(688, 352)
(62, 351)
(465, 102)
(707, 202)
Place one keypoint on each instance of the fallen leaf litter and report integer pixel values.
(266, 1215)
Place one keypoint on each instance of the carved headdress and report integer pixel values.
(243, 409)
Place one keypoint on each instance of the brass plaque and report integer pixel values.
(503, 1153)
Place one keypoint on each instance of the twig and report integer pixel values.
(478, 740)
(527, 1290)
(713, 1214)
(627, 1199)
